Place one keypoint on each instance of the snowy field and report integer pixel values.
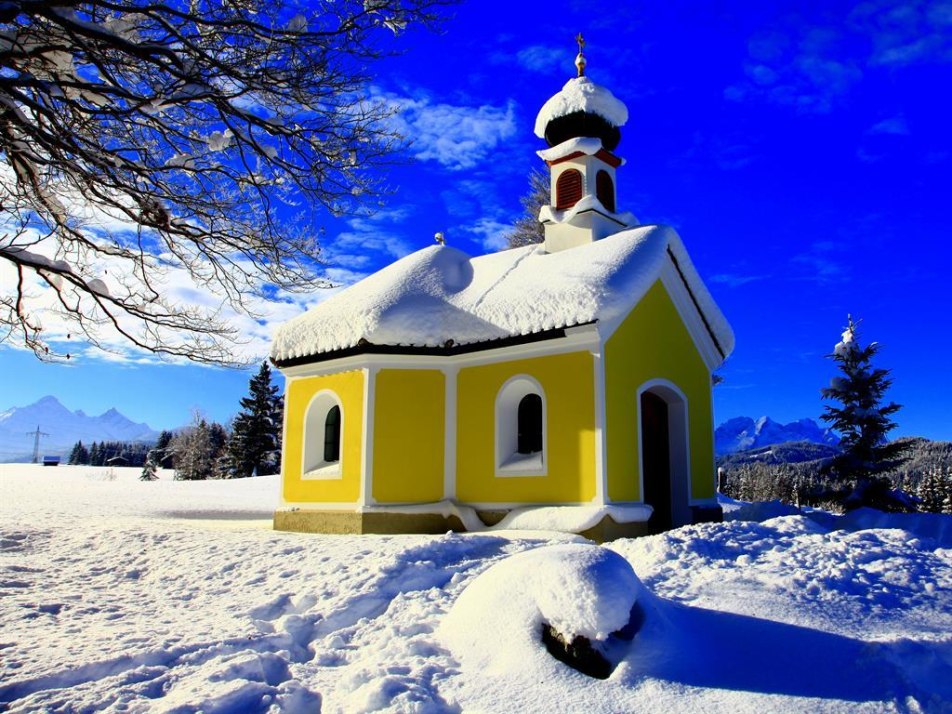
(123, 596)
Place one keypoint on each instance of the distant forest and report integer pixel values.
(794, 473)
(249, 446)
(110, 453)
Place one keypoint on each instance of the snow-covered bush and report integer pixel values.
(578, 590)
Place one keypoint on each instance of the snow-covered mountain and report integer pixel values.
(743, 433)
(64, 429)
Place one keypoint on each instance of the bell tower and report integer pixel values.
(581, 126)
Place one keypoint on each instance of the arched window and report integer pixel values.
(568, 188)
(323, 433)
(332, 435)
(520, 446)
(605, 190)
(529, 437)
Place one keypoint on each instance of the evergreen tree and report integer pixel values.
(96, 457)
(79, 455)
(150, 468)
(863, 423)
(193, 455)
(163, 450)
(947, 501)
(255, 444)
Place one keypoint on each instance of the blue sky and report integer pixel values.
(801, 150)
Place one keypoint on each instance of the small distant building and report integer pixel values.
(51, 460)
(577, 372)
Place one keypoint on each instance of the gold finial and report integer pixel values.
(580, 59)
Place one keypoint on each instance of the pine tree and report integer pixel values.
(193, 456)
(96, 455)
(528, 229)
(927, 493)
(947, 501)
(863, 422)
(79, 455)
(255, 444)
(151, 467)
(163, 450)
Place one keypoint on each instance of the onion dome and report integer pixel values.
(582, 109)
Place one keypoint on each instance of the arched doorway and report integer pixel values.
(665, 476)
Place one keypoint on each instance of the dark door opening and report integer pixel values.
(656, 461)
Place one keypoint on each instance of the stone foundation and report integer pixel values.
(352, 523)
(607, 530)
(391, 523)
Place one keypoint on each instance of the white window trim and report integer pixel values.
(507, 461)
(316, 415)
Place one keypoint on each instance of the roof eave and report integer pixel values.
(448, 349)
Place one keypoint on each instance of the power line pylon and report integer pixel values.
(36, 442)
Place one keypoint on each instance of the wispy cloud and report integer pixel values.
(489, 233)
(539, 58)
(812, 67)
(367, 242)
(800, 67)
(894, 125)
(179, 289)
(456, 136)
(820, 264)
(734, 280)
(905, 33)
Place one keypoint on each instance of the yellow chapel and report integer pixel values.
(570, 378)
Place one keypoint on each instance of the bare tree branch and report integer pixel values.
(527, 229)
(140, 138)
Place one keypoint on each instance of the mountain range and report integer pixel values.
(742, 433)
(63, 428)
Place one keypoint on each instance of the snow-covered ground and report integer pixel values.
(118, 595)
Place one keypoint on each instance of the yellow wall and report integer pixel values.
(349, 388)
(652, 343)
(568, 383)
(408, 435)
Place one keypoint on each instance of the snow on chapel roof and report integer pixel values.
(580, 94)
(440, 294)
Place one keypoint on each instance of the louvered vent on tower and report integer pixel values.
(568, 189)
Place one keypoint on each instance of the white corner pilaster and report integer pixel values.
(366, 497)
(449, 433)
(601, 472)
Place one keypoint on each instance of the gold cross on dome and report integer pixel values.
(580, 58)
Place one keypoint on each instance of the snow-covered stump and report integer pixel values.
(575, 603)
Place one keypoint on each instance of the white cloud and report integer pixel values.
(458, 137)
(734, 280)
(539, 58)
(490, 234)
(368, 242)
(176, 286)
(811, 67)
(905, 33)
(896, 126)
(809, 75)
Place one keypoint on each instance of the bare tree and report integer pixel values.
(528, 230)
(145, 139)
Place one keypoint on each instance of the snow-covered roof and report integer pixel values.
(580, 94)
(440, 293)
(588, 145)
